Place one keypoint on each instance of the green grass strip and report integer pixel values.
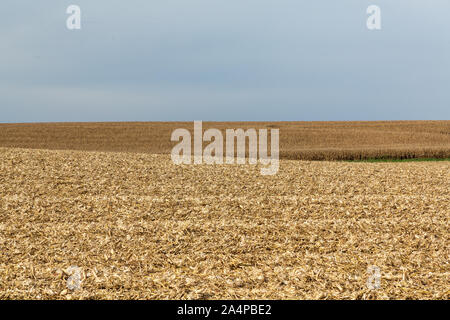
(400, 160)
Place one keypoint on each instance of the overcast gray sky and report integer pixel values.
(149, 60)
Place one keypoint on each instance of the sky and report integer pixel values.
(224, 60)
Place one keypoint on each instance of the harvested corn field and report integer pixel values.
(137, 226)
(345, 140)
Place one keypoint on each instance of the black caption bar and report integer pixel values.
(216, 309)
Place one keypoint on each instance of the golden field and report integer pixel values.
(298, 140)
(140, 227)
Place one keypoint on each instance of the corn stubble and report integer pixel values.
(345, 140)
(139, 227)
